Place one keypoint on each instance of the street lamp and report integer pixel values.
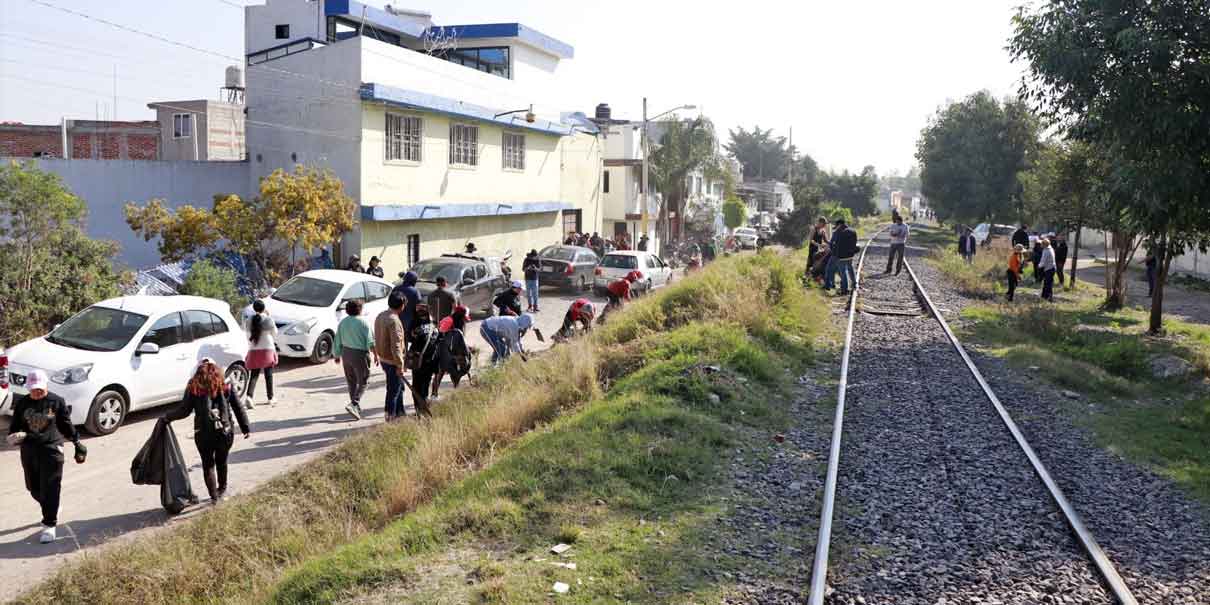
(647, 154)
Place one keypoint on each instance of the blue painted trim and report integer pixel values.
(351, 9)
(410, 99)
(527, 35)
(421, 212)
(285, 44)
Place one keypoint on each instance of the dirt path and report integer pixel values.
(1185, 304)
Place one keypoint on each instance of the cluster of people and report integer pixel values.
(829, 254)
(374, 268)
(601, 245)
(1047, 254)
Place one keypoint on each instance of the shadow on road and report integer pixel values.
(22, 542)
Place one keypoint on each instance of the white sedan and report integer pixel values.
(129, 353)
(653, 272)
(307, 308)
(746, 237)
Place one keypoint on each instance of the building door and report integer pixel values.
(571, 222)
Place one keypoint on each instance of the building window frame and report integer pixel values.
(413, 249)
(464, 145)
(182, 126)
(512, 146)
(473, 58)
(403, 139)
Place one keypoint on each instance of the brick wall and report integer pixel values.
(87, 140)
(30, 141)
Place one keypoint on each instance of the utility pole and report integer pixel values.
(643, 196)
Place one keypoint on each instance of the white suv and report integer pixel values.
(129, 353)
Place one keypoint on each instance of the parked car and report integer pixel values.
(746, 237)
(308, 306)
(653, 272)
(569, 267)
(130, 353)
(475, 280)
(995, 236)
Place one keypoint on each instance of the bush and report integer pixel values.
(212, 281)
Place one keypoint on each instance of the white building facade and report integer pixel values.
(443, 135)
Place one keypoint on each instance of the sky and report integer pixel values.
(855, 79)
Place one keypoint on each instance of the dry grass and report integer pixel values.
(984, 278)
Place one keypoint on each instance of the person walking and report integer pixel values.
(508, 302)
(212, 404)
(531, 266)
(375, 267)
(441, 301)
(352, 348)
(40, 424)
(899, 236)
(262, 352)
(818, 239)
(390, 349)
(411, 297)
(503, 334)
(967, 245)
(423, 359)
(453, 355)
(1046, 264)
(1059, 243)
(1014, 269)
(1021, 236)
(844, 248)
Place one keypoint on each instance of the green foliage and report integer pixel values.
(684, 146)
(763, 156)
(971, 154)
(212, 281)
(833, 211)
(49, 268)
(855, 192)
(735, 213)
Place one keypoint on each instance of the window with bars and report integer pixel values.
(404, 135)
(464, 145)
(514, 151)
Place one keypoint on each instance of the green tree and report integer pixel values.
(971, 153)
(1130, 79)
(763, 156)
(853, 191)
(49, 268)
(734, 214)
(309, 207)
(212, 281)
(683, 147)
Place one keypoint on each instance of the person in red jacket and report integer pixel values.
(619, 290)
(581, 311)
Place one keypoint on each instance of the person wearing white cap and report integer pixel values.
(508, 302)
(503, 333)
(40, 424)
(212, 404)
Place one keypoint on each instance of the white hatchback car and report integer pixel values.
(308, 306)
(653, 272)
(130, 353)
(746, 237)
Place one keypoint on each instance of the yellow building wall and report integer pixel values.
(583, 172)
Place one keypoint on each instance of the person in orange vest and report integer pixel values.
(1014, 269)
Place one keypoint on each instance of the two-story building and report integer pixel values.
(443, 134)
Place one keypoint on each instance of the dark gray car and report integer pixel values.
(475, 280)
(567, 267)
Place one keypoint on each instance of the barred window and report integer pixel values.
(404, 135)
(514, 151)
(464, 145)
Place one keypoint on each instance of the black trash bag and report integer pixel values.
(161, 463)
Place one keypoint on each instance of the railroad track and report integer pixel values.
(945, 483)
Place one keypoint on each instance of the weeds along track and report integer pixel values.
(943, 500)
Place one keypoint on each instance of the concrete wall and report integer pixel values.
(107, 185)
(581, 178)
(225, 135)
(192, 147)
(303, 17)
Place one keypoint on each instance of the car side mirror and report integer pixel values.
(147, 348)
(468, 282)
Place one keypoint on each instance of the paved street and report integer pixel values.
(100, 505)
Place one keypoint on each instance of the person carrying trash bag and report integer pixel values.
(212, 404)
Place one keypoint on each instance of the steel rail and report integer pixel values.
(1116, 585)
(819, 568)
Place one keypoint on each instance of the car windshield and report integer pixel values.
(308, 292)
(1002, 230)
(619, 261)
(98, 329)
(558, 253)
(430, 270)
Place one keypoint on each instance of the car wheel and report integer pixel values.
(107, 413)
(583, 284)
(237, 374)
(648, 289)
(323, 348)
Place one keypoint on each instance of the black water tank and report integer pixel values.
(603, 112)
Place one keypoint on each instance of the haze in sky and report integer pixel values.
(857, 79)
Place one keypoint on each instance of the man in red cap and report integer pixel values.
(581, 311)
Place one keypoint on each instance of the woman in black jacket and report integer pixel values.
(212, 404)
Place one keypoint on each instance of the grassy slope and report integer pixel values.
(1074, 344)
(630, 480)
(372, 480)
